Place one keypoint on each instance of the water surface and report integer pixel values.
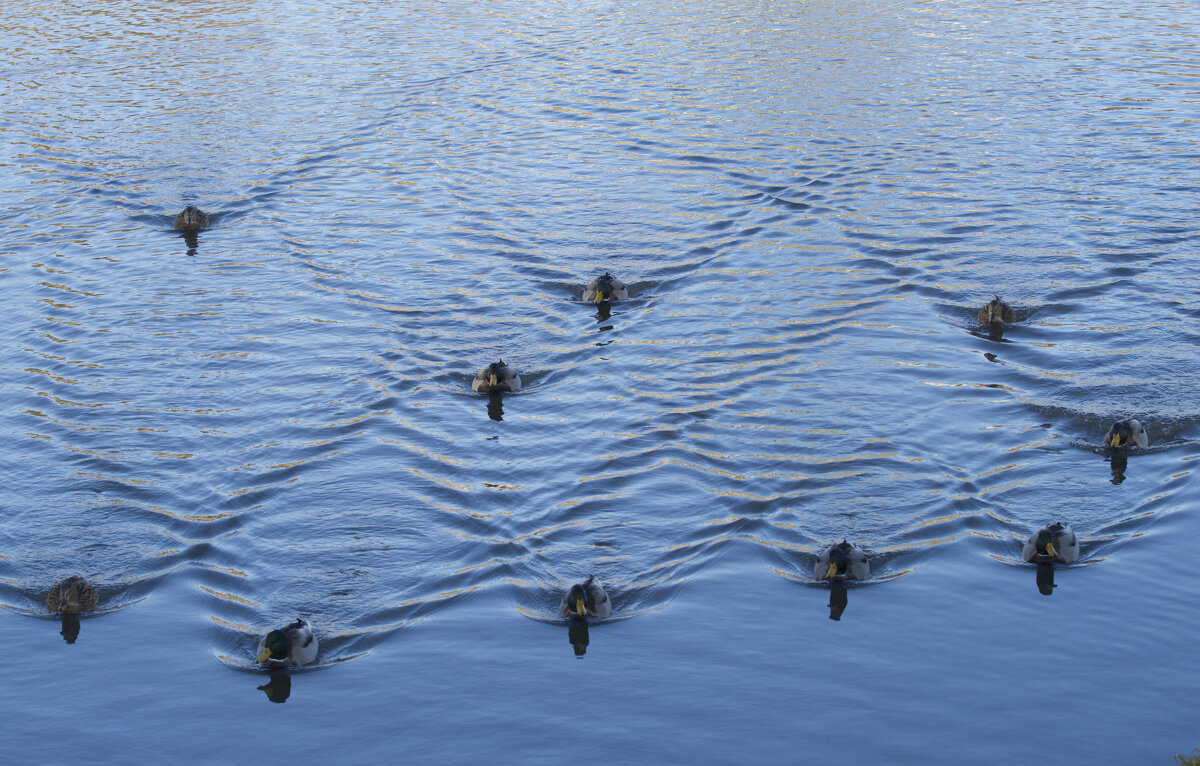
(809, 203)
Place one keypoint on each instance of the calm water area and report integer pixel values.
(809, 202)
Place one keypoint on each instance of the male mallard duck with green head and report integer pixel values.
(842, 561)
(293, 644)
(605, 288)
(497, 376)
(72, 595)
(585, 599)
(1126, 433)
(1052, 544)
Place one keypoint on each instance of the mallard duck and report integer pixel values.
(1052, 544)
(585, 599)
(842, 561)
(293, 644)
(1125, 433)
(72, 595)
(996, 312)
(191, 219)
(497, 376)
(605, 288)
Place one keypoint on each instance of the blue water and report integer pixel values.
(273, 417)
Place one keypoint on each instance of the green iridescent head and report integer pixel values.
(577, 599)
(1120, 434)
(838, 563)
(1044, 544)
(604, 288)
(275, 647)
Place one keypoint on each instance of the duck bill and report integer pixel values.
(1116, 440)
(263, 655)
(492, 379)
(832, 571)
(1050, 549)
(580, 609)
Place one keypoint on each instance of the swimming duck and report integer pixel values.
(1052, 544)
(497, 376)
(585, 599)
(605, 288)
(191, 219)
(1123, 432)
(996, 313)
(293, 644)
(72, 595)
(842, 561)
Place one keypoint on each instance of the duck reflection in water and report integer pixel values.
(577, 634)
(838, 597)
(495, 406)
(70, 597)
(1119, 462)
(1045, 579)
(279, 688)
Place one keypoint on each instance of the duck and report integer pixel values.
(995, 313)
(842, 561)
(191, 219)
(293, 644)
(1126, 433)
(585, 599)
(605, 288)
(72, 595)
(1052, 544)
(497, 377)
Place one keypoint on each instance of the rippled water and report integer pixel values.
(809, 203)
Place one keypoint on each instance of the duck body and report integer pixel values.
(497, 376)
(1052, 544)
(1126, 433)
(293, 644)
(995, 313)
(605, 288)
(71, 596)
(842, 561)
(585, 599)
(191, 219)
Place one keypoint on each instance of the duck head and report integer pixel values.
(577, 599)
(495, 373)
(604, 288)
(838, 563)
(1120, 434)
(275, 647)
(1044, 544)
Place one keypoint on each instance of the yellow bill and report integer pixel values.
(832, 571)
(263, 655)
(579, 608)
